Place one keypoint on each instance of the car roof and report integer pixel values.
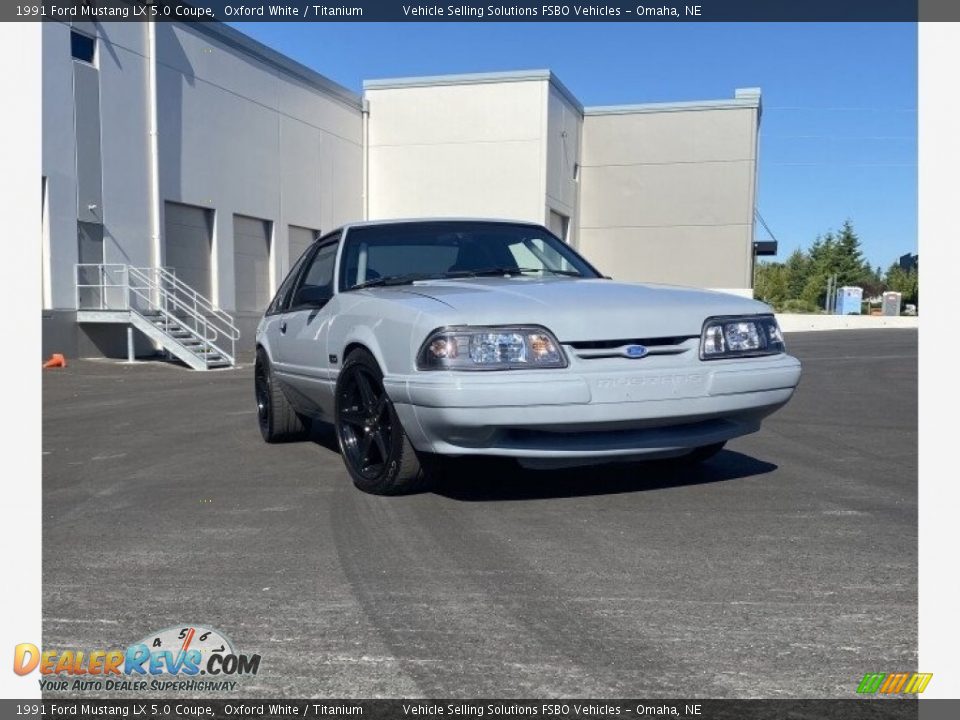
(409, 221)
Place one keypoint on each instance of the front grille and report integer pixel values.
(594, 349)
(640, 435)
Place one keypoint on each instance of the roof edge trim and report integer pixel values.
(476, 79)
(744, 100)
(457, 79)
(242, 42)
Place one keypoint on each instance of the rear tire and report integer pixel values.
(375, 449)
(277, 419)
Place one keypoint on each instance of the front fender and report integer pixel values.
(391, 331)
(360, 335)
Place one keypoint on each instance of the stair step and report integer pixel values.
(182, 327)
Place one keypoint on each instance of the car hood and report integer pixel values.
(578, 310)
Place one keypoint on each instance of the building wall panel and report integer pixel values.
(58, 162)
(707, 256)
(668, 195)
(564, 124)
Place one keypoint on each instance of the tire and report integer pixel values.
(702, 454)
(375, 449)
(277, 419)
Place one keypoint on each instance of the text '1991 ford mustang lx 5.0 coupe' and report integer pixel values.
(425, 339)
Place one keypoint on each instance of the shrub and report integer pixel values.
(798, 306)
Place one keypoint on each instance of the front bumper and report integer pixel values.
(573, 413)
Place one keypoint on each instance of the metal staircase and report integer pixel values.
(169, 312)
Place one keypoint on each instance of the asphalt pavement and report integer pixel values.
(784, 567)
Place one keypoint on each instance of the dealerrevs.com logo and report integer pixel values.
(171, 659)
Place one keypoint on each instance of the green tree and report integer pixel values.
(821, 259)
(905, 282)
(796, 271)
(802, 279)
(770, 283)
(849, 264)
(838, 256)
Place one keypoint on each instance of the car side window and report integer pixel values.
(316, 282)
(535, 253)
(282, 299)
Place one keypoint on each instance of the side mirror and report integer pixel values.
(311, 296)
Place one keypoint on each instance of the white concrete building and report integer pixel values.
(196, 148)
(498, 144)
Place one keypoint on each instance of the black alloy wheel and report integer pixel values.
(261, 386)
(276, 417)
(365, 426)
(373, 444)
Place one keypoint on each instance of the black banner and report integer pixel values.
(307, 709)
(484, 10)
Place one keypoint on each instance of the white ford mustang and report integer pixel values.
(423, 339)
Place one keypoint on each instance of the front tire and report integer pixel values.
(277, 419)
(375, 449)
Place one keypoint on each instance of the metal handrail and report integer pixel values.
(103, 285)
(202, 302)
(162, 292)
(197, 322)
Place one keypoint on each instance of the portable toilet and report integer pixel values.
(848, 300)
(891, 303)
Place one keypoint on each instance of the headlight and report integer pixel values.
(491, 348)
(725, 337)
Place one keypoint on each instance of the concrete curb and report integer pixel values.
(795, 322)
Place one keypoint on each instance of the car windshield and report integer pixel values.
(406, 252)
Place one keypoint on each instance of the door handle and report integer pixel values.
(283, 326)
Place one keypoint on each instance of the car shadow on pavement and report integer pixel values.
(486, 480)
(324, 435)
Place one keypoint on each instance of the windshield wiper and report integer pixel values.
(410, 278)
(486, 272)
(391, 280)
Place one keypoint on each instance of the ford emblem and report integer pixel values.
(635, 352)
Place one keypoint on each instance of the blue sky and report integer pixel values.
(838, 135)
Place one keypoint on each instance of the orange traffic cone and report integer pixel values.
(56, 360)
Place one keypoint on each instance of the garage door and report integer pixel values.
(251, 246)
(188, 235)
(300, 238)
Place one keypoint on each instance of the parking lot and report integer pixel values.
(785, 567)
